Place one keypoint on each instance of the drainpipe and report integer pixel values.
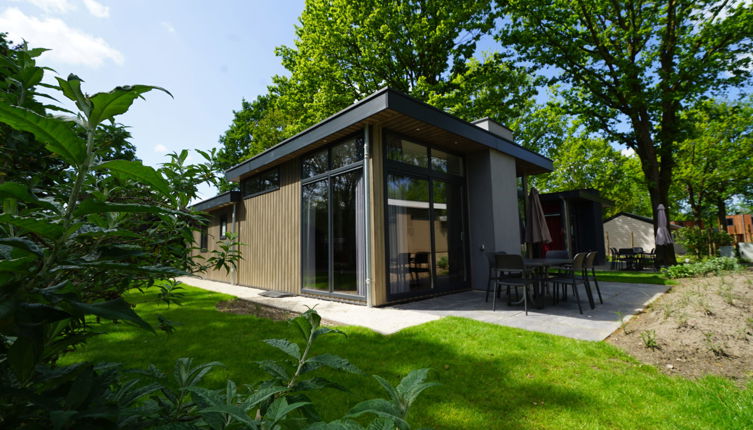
(234, 278)
(367, 214)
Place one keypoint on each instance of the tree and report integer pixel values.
(346, 50)
(631, 68)
(591, 162)
(256, 127)
(714, 164)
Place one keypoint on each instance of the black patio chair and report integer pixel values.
(494, 274)
(513, 273)
(573, 277)
(589, 272)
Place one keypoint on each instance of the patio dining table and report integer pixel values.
(541, 267)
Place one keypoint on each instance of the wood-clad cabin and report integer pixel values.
(388, 200)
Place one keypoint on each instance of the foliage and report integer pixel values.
(713, 163)
(631, 69)
(714, 266)
(258, 125)
(703, 241)
(345, 51)
(583, 161)
(649, 339)
(227, 255)
(72, 243)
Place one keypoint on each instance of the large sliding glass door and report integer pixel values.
(425, 231)
(332, 229)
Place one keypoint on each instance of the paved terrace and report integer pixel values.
(562, 319)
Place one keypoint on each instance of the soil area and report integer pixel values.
(245, 307)
(701, 326)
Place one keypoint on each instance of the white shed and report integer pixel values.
(626, 230)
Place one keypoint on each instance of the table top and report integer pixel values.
(546, 261)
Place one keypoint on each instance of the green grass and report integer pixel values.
(635, 277)
(491, 377)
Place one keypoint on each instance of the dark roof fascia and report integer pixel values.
(385, 99)
(583, 194)
(218, 201)
(429, 114)
(354, 113)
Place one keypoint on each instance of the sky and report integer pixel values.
(209, 55)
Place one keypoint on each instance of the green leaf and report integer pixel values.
(285, 346)
(331, 361)
(279, 409)
(117, 309)
(24, 354)
(71, 88)
(22, 243)
(57, 135)
(274, 369)
(118, 101)
(413, 384)
(42, 228)
(21, 193)
(380, 408)
(97, 206)
(16, 264)
(135, 170)
(233, 411)
(262, 394)
(382, 423)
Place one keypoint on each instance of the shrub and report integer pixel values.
(703, 241)
(712, 265)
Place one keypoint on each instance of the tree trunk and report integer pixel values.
(721, 214)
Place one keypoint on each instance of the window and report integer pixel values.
(223, 226)
(204, 239)
(424, 156)
(344, 154)
(407, 152)
(262, 183)
(332, 230)
(446, 163)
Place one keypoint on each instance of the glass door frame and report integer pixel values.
(423, 173)
(328, 176)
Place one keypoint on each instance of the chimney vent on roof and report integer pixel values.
(494, 127)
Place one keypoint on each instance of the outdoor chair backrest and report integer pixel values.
(626, 251)
(509, 262)
(403, 258)
(421, 258)
(578, 261)
(490, 257)
(590, 259)
(637, 250)
(556, 253)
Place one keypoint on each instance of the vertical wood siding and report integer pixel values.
(378, 263)
(271, 234)
(214, 236)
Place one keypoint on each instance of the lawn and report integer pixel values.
(491, 377)
(634, 277)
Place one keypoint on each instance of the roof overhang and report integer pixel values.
(580, 194)
(218, 201)
(388, 105)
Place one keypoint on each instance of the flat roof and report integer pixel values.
(218, 201)
(383, 100)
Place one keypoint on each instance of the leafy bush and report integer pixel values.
(702, 241)
(712, 265)
(72, 244)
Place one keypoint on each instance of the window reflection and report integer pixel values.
(408, 152)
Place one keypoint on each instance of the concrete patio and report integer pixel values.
(562, 319)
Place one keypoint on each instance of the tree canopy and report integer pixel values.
(630, 68)
(714, 163)
(346, 50)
